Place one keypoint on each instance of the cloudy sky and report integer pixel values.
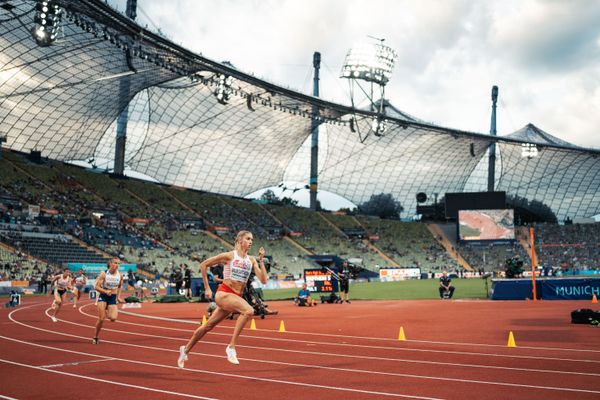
(543, 55)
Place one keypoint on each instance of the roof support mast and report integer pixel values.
(314, 128)
(492, 157)
(124, 95)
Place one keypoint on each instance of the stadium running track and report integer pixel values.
(454, 350)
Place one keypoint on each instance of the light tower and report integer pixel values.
(492, 156)
(368, 67)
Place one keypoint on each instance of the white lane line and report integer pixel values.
(7, 398)
(406, 349)
(321, 353)
(320, 367)
(253, 378)
(365, 337)
(74, 363)
(106, 381)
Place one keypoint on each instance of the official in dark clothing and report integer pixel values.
(131, 281)
(178, 279)
(344, 281)
(446, 287)
(188, 282)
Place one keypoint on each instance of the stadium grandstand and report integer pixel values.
(75, 94)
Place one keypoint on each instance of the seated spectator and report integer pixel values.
(303, 299)
(446, 288)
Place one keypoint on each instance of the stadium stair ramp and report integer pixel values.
(206, 222)
(441, 238)
(334, 226)
(287, 238)
(523, 238)
(298, 245)
(376, 249)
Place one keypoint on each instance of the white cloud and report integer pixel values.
(544, 55)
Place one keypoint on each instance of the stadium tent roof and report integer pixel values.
(532, 134)
(63, 100)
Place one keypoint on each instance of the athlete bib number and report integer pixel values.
(239, 272)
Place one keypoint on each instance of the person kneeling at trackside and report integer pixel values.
(446, 288)
(303, 299)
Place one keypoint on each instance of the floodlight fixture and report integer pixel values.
(378, 126)
(371, 62)
(224, 88)
(529, 150)
(47, 22)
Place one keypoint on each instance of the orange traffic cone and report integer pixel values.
(252, 325)
(401, 335)
(594, 299)
(511, 340)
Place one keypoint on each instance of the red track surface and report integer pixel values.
(455, 350)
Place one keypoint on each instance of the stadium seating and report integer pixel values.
(145, 223)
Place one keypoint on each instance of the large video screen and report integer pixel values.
(486, 225)
(473, 201)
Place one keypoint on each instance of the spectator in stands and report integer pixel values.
(446, 288)
(108, 284)
(238, 267)
(344, 280)
(62, 284)
(303, 299)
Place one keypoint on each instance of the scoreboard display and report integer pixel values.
(320, 281)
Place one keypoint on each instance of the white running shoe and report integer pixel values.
(231, 355)
(53, 318)
(182, 357)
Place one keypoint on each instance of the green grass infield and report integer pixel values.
(403, 290)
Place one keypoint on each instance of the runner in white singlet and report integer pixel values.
(238, 266)
(78, 284)
(62, 284)
(109, 285)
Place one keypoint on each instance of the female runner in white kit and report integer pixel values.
(109, 285)
(238, 266)
(62, 284)
(79, 282)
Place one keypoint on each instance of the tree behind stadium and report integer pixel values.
(382, 205)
